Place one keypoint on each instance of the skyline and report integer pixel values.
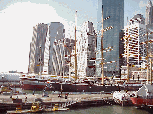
(18, 17)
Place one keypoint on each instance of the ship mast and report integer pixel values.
(102, 65)
(40, 60)
(150, 72)
(127, 44)
(147, 59)
(75, 47)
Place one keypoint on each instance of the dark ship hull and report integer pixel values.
(95, 88)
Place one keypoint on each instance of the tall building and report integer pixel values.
(149, 13)
(114, 9)
(149, 26)
(62, 53)
(134, 41)
(37, 48)
(56, 55)
(44, 56)
(86, 50)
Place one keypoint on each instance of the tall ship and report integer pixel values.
(41, 82)
(56, 83)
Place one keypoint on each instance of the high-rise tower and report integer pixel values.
(114, 10)
(149, 13)
(56, 56)
(86, 45)
(134, 35)
(37, 48)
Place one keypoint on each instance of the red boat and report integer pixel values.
(143, 97)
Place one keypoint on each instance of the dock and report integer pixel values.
(70, 101)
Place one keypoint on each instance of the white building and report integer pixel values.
(86, 51)
(135, 46)
(134, 40)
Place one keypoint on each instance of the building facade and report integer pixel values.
(113, 14)
(44, 56)
(134, 41)
(86, 51)
(135, 48)
(69, 45)
(56, 53)
(37, 48)
(149, 27)
(149, 13)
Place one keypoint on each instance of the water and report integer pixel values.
(115, 109)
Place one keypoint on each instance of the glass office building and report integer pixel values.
(112, 39)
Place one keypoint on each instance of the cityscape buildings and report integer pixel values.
(49, 40)
(52, 53)
(113, 14)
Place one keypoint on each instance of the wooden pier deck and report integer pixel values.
(72, 100)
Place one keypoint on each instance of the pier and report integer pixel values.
(71, 101)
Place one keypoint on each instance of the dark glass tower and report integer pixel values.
(111, 38)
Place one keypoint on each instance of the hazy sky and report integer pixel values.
(17, 18)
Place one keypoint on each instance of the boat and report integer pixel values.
(143, 97)
(87, 86)
(122, 98)
(57, 108)
(37, 83)
(6, 90)
(35, 108)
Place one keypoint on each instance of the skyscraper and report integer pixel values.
(149, 26)
(44, 56)
(149, 13)
(36, 55)
(134, 48)
(86, 46)
(134, 34)
(56, 33)
(114, 9)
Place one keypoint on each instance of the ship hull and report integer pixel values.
(81, 87)
(139, 102)
(76, 87)
(95, 88)
(40, 87)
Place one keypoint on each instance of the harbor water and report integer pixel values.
(115, 109)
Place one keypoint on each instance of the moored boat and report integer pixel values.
(143, 97)
(38, 83)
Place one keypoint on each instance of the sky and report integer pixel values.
(18, 17)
